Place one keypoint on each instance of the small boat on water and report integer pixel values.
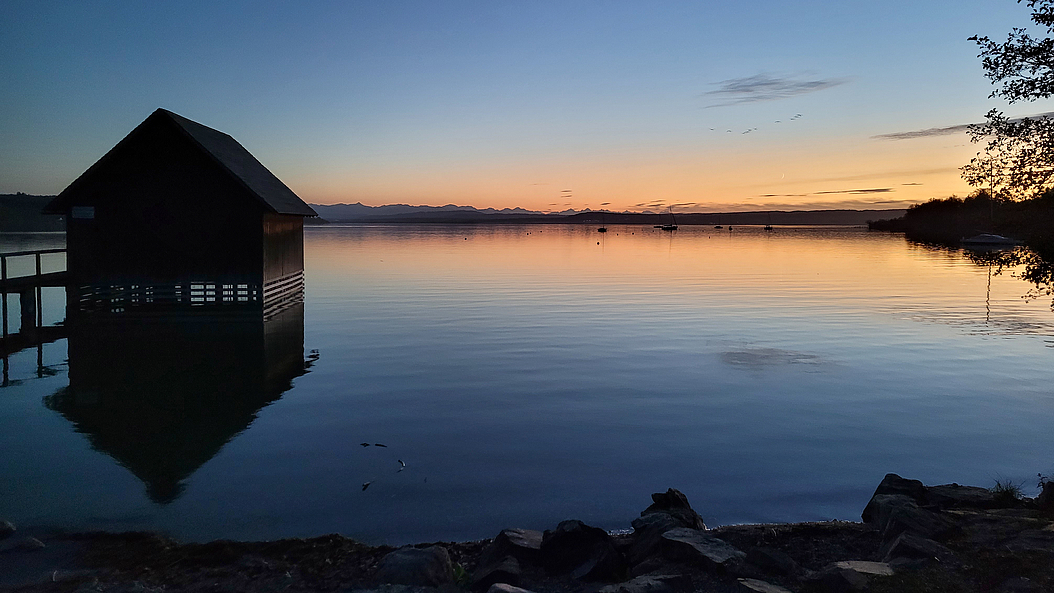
(768, 227)
(718, 227)
(990, 240)
(673, 222)
(602, 229)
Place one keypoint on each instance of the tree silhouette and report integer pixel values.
(1018, 159)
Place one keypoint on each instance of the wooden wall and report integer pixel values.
(164, 212)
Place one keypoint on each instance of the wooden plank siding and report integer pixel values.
(178, 213)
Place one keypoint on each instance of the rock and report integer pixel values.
(849, 575)
(506, 588)
(907, 545)
(665, 583)
(878, 508)
(756, 586)
(773, 561)
(524, 545)
(389, 588)
(653, 564)
(6, 529)
(506, 570)
(912, 519)
(675, 504)
(1041, 540)
(587, 553)
(893, 484)
(647, 535)
(1020, 585)
(864, 567)
(1045, 500)
(954, 496)
(894, 514)
(25, 544)
(429, 567)
(695, 546)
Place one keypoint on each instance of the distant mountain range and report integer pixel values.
(361, 212)
(22, 212)
(467, 214)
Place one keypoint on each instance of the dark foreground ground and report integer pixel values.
(945, 538)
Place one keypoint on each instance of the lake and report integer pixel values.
(522, 375)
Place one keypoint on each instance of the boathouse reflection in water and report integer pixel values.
(162, 393)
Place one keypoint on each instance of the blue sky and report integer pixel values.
(501, 104)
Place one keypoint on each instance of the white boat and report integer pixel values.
(989, 240)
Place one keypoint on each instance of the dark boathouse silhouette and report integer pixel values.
(184, 298)
(180, 213)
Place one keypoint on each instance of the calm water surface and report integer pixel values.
(526, 375)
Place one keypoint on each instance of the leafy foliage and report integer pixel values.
(1022, 64)
(1018, 160)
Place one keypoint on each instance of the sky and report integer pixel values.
(703, 106)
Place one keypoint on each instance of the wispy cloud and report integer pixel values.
(818, 204)
(767, 87)
(873, 190)
(928, 132)
(852, 192)
(942, 131)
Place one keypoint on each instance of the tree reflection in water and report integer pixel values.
(1023, 263)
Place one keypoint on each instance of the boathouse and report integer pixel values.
(179, 213)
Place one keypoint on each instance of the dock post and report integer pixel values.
(27, 298)
(40, 300)
(3, 294)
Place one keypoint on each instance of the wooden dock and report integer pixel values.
(31, 332)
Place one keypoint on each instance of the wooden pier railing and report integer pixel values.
(31, 331)
(28, 288)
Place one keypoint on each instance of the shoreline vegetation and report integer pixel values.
(912, 538)
(948, 221)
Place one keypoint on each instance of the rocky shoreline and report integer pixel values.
(913, 538)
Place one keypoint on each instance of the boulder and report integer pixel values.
(893, 484)
(586, 553)
(954, 496)
(893, 514)
(647, 536)
(1020, 585)
(655, 564)
(773, 561)
(665, 583)
(849, 575)
(907, 545)
(505, 588)
(506, 570)
(675, 504)
(6, 529)
(901, 518)
(1045, 500)
(757, 586)
(698, 547)
(525, 545)
(430, 567)
(25, 544)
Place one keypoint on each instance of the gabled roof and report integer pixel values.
(227, 153)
